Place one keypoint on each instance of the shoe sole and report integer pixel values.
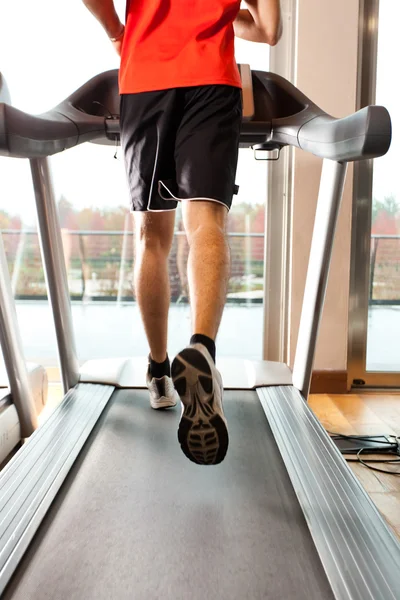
(202, 432)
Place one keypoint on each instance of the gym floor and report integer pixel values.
(369, 414)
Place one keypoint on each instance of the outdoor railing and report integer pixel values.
(100, 265)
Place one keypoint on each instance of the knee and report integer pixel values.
(205, 222)
(153, 240)
(208, 233)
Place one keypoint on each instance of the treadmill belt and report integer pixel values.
(135, 519)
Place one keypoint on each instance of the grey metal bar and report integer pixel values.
(329, 200)
(13, 354)
(55, 270)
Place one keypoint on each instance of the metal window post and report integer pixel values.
(278, 211)
(11, 344)
(329, 200)
(55, 271)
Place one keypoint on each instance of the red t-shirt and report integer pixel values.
(178, 43)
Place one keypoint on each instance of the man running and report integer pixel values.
(181, 112)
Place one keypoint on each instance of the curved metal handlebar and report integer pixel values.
(283, 116)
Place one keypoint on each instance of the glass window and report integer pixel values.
(383, 351)
(91, 193)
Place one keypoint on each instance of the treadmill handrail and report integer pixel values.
(283, 115)
(363, 135)
(27, 136)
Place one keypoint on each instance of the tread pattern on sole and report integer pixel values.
(202, 432)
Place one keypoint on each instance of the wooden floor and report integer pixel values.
(350, 414)
(367, 414)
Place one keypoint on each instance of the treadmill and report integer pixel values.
(101, 503)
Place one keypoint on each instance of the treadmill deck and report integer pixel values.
(136, 520)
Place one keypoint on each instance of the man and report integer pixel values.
(180, 124)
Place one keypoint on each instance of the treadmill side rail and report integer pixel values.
(358, 550)
(31, 480)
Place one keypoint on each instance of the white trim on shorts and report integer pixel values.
(173, 197)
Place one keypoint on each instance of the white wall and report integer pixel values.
(326, 71)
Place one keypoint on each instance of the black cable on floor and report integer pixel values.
(367, 463)
(392, 450)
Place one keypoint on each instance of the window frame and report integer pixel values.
(358, 376)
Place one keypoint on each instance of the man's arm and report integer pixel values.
(260, 22)
(105, 13)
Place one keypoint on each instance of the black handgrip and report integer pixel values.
(26, 136)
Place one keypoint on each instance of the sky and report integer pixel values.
(58, 46)
(45, 63)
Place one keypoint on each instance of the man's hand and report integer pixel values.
(117, 43)
(118, 46)
(260, 22)
(105, 13)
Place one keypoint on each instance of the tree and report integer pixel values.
(389, 206)
(4, 220)
(65, 211)
(114, 220)
(385, 215)
(15, 222)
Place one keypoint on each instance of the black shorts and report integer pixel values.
(181, 143)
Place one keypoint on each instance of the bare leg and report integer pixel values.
(208, 263)
(154, 236)
(202, 431)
